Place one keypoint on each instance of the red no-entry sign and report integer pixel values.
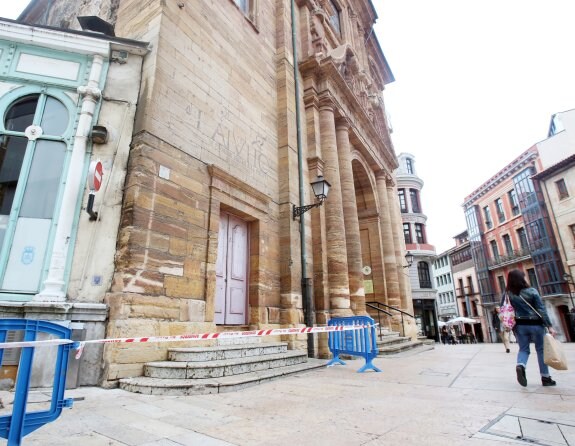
(95, 174)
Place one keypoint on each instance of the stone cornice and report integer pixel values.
(222, 175)
(524, 160)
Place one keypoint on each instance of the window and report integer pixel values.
(407, 233)
(248, 8)
(522, 236)
(513, 202)
(334, 17)
(423, 273)
(561, 189)
(244, 5)
(414, 197)
(487, 216)
(409, 165)
(508, 245)
(500, 211)
(501, 281)
(494, 249)
(30, 184)
(419, 236)
(532, 278)
(402, 202)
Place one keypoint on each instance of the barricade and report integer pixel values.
(20, 423)
(360, 342)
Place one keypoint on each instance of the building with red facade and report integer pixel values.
(509, 228)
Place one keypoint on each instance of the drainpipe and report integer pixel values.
(53, 287)
(305, 281)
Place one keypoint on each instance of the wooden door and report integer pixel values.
(232, 271)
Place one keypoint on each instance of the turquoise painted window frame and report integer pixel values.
(68, 138)
(10, 54)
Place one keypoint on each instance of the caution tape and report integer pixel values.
(183, 337)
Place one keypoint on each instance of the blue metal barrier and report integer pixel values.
(20, 423)
(360, 342)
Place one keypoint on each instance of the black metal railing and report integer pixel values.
(510, 257)
(388, 312)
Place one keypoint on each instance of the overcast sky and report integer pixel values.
(11, 9)
(476, 84)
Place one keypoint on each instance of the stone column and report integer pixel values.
(353, 242)
(387, 242)
(335, 228)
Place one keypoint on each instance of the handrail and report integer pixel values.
(375, 305)
(393, 308)
(370, 305)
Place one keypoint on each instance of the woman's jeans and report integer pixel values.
(526, 334)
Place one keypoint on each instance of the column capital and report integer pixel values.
(326, 102)
(383, 175)
(315, 164)
(342, 123)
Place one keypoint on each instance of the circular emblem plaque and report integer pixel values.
(366, 270)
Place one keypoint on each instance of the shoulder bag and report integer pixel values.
(507, 314)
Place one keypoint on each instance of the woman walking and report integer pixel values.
(531, 318)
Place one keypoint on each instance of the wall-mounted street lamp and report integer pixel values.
(567, 278)
(320, 189)
(408, 259)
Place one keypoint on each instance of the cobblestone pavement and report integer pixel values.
(452, 395)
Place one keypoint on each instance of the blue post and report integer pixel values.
(20, 423)
(359, 342)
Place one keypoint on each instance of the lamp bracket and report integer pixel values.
(297, 211)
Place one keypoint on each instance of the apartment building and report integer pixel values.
(509, 227)
(443, 276)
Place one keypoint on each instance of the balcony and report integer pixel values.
(515, 256)
(490, 299)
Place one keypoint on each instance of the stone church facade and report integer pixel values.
(221, 153)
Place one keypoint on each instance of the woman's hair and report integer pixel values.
(516, 281)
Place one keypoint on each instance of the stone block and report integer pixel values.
(184, 287)
(192, 310)
(273, 315)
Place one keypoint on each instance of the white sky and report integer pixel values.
(476, 84)
(11, 9)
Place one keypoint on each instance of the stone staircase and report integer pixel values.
(221, 368)
(392, 343)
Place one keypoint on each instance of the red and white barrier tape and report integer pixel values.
(184, 337)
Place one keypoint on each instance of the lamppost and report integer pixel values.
(320, 189)
(408, 259)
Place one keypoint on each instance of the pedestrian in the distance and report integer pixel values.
(502, 333)
(531, 319)
(444, 335)
(453, 335)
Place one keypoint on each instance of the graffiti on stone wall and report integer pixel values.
(241, 149)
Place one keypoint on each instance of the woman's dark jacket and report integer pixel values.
(524, 315)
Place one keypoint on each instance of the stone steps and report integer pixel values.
(176, 387)
(392, 344)
(219, 352)
(220, 368)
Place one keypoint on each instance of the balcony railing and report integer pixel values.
(512, 257)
